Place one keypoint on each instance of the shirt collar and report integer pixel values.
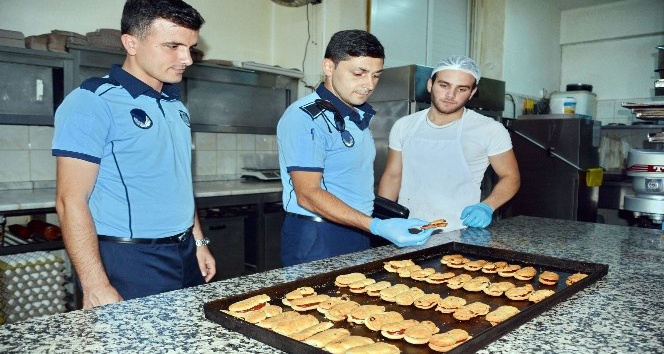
(136, 87)
(347, 111)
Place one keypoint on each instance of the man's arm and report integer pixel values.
(390, 182)
(313, 198)
(75, 181)
(205, 260)
(509, 179)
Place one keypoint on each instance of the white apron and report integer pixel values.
(436, 182)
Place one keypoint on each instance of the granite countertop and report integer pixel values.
(41, 198)
(621, 313)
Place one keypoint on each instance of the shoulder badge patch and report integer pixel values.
(141, 119)
(312, 110)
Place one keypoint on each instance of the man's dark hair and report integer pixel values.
(353, 43)
(137, 15)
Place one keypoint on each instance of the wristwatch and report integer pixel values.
(203, 242)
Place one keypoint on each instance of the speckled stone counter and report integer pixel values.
(619, 314)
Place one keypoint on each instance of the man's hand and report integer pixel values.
(477, 215)
(206, 263)
(100, 296)
(398, 231)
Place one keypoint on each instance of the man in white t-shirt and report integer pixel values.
(437, 157)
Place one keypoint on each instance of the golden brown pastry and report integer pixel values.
(457, 262)
(341, 346)
(549, 278)
(474, 266)
(540, 295)
(310, 331)
(327, 336)
(360, 313)
(427, 301)
(271, 321)
(344, 280)
(446, 258)
(390, 293)
(340, 311)
(501, 314)
(396, 330)
(436, 224)
(407, 298)
(476, 284)
(406, 271)
(458, 281)
(444, 342)
(520, 293)
(375, 322)
(294, 325)
(471, 310)
(297, 294)
(508, 270)
(525, 273)
(420, 333)
(450, 304)
(308, 302)
(325, 306)
(251, 304)
(575, 278)
(422, 274)
(375, 348)
(440, 278)
(392, 266)
(499, 288)
(360, 286)
(375, 288)
(493, 267)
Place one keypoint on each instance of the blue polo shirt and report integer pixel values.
(308, 141)
(141, 140)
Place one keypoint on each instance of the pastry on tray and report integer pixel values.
(420, 333)
(298, 293)
(345, 279)
(396, 330)
(575, 278)
(359, 314)
(392, 266)
(250, 304)
(477, 284)
(509, 270)
(501, 314)
(375, 288)
(375, 348)
(375, 322)
(539, 295)
(499, 288)
(475, 265)
(360, 286)
(327, 336)
(450, 304)
(444, 342)
(458, 281)
(525, 273)
(310, 331)
(549, 278)
(341, 346)
(471, 310)
(407, 298)
(520, 293)
(296, 324)
(493, 267)
(440, 278)
(309, 302)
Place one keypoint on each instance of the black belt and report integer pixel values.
(306, 217)
(181, 237)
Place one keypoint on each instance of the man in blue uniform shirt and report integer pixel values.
(123, 148)
(326, 154)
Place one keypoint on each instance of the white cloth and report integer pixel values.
(443, 166)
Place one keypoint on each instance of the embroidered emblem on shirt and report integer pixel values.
(141, 119)
(185, 118)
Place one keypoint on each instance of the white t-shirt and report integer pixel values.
(481, 137)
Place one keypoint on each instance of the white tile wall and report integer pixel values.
(25, 153)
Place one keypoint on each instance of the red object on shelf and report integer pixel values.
(45, 230)
(20, 231)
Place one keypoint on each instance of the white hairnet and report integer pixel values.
(459, 62)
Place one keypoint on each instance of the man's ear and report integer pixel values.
(429, 85)
(328, 67)
(473, 92)
(129, 43)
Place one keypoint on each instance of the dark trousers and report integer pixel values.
(305, 240)
(138, 270)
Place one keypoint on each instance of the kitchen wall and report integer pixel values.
(247, 30)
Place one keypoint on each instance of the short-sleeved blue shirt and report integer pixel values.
(308, 141)
(141, 140)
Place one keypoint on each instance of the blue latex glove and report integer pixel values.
(398, 231)
(477, 215)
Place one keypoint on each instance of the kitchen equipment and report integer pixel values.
(481, 330)
(557, 159)
(262, 175)
(264, 167)
(584, 101)
(646, 167)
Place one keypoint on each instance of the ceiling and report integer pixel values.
(575, 4)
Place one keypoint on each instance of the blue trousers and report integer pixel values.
(138, 270)
(305, 240)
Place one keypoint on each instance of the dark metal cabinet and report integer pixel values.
(32, 84)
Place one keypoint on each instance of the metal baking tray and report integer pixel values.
(481, 330)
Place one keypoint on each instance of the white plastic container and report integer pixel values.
(586, 102)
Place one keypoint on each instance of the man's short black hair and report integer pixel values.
(353, 43)
(138, 15)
